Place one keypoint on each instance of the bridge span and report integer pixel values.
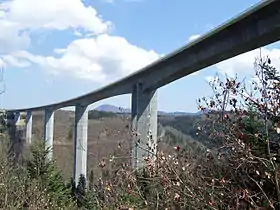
(256, 27)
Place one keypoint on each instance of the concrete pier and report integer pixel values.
(80, 138)
(16, 118)
(48, 130)
(144, 125)
(28, 125)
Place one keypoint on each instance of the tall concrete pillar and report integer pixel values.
(28, 127)
(48, 130)
(144, 125)
(134, 125)
(13, 119)
(16, 118)
(80, 138)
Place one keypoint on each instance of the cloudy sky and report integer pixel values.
(57, 49)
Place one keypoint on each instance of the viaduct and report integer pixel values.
(254, 28)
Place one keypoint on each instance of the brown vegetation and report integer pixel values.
(233, 165)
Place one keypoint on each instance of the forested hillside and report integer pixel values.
(107, 131)
(226, 158)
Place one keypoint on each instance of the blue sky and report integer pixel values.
(58, 49)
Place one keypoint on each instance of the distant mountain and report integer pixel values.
(115, 109)
(111, 108)
(182, 113)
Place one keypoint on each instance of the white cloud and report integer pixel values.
(12, 37)
(101, 59)
(16, 62)
(95, 55)
(244, 63)
(19, 18)
(193, 37)
(54, 14)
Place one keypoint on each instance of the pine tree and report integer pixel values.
(40, 168)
